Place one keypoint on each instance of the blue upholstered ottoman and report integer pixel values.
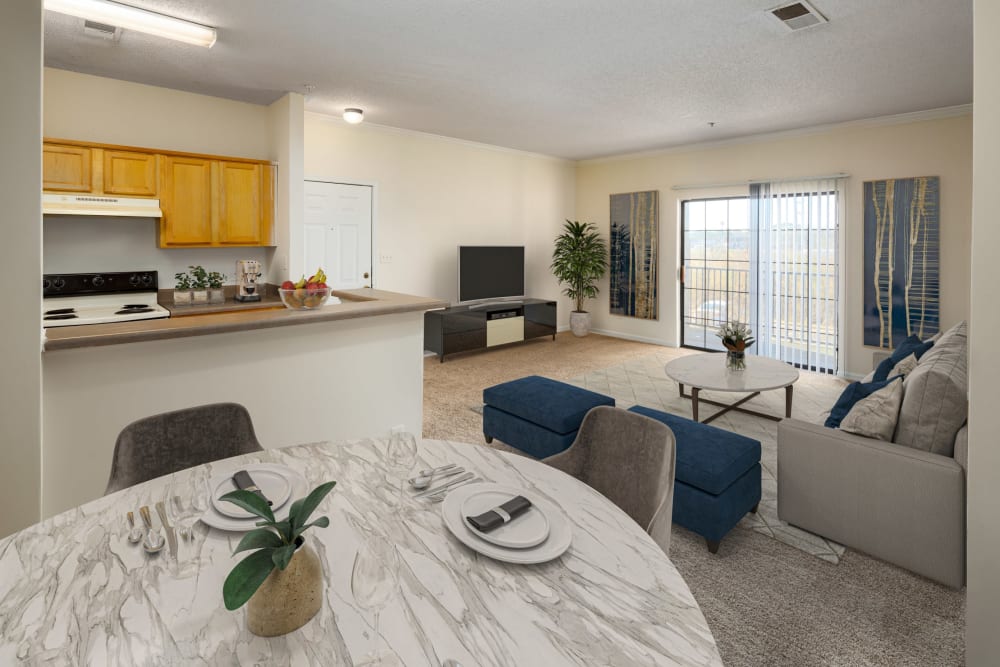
(717, 476)
(537, 415)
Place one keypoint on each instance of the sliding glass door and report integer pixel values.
(770, 260)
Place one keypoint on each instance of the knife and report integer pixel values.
(448, 485)
(244, 481)
(171, 533)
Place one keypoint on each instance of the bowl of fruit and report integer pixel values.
(307, 293)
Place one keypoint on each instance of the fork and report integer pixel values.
(440, 495)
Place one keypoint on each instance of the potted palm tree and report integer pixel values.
(579, 260)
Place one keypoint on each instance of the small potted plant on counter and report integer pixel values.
(182, 290)
(215, 292)
(199, 285)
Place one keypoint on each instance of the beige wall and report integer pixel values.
(434, 194)
(91, 108)
(21, 258)
(940, 147)
(983, 610)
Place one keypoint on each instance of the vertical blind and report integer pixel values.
(795, 281)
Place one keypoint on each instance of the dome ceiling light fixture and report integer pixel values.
(353, 115)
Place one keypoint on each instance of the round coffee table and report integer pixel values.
(708, 371)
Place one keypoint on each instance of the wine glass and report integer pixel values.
(400, 456)
(373, 582)
(186, 502)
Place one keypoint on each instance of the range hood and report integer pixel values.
(132, 207)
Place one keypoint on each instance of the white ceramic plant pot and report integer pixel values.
(199, 297)
(579, 322)
(182, 297)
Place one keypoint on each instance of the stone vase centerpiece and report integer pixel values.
(281, 582)
(579, 260)
(736, 338)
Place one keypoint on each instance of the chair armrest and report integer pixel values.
(570, 460)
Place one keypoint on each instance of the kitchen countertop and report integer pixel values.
(230, 305)
(354, 304)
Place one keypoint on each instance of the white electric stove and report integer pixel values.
(99, 298)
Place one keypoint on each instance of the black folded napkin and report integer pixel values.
(498, 516)
(244, 481)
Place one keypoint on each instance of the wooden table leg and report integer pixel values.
(788, 401)
(694, 403)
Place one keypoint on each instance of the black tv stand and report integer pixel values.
(484, 325)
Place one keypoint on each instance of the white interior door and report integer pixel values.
(338, 233)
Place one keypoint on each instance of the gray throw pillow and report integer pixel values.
(935, 396)
(875, 416)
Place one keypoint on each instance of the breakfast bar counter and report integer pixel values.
(354, 304)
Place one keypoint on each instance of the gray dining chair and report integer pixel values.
(630, 460)
(172, 441)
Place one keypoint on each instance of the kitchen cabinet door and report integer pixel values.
(66, 168)
(129, 174)
(241, 203)
(186, 200)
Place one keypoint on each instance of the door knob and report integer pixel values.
(366, 274)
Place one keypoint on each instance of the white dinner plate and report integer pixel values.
(213, 518)
(271, 479)
(558, 541)
(526, 530)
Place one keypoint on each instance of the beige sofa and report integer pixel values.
(901, 501)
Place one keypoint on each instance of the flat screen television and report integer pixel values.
(490, 272)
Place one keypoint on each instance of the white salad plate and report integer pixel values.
(271, 479)
(524, 531)
(560, 530)
(212, 517)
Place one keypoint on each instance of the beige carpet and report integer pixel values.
(768, 603)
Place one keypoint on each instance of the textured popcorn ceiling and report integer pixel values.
(571, 78)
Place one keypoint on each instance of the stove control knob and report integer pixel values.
(59, 283)
(147, 279)
(97, 281)
(46, 284)
(133, 280)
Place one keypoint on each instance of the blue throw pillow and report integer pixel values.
(851, 395)
(911, 345)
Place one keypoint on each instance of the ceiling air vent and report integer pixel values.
(798, 15)
(102, 30)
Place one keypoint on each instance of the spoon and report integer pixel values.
(154, 541)
(135, 533)
(422, 481)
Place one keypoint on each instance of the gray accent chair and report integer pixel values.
(630, 460)
(901, 501)
(172, 441)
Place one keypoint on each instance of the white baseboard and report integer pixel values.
(638, 339)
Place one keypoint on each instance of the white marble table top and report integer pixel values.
(73, 590)
(708, 371)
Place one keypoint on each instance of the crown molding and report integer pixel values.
(878, 121)
(324, 117)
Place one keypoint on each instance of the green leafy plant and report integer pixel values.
(199, 277)
(579, 260)
(275, 542)
(215, 279)
(736, 336)
(183, 280)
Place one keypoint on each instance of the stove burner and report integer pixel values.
(135, 305)
(66, 316)
(60, 311)
(131, 310)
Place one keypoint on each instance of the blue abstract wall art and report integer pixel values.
(635, 234)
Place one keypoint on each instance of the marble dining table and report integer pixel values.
(75, 591)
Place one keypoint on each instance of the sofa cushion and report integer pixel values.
(875, 416)
(912, 345)
(554, 405)
(853, 393)
(935, 396)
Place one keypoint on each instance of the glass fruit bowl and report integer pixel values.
(304, 299)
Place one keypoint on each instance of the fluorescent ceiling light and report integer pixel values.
(133, 18)
(354, 116)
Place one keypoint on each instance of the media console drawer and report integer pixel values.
(504, 330)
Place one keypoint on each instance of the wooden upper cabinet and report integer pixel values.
(241, 203)
(186, 200)
(66, 168)
(130, 174)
